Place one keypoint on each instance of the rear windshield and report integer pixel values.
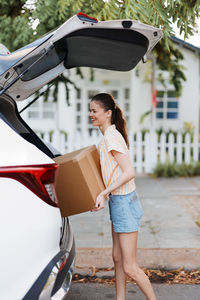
(53, 58)
(111, 49)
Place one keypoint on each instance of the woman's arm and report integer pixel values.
(128, 173)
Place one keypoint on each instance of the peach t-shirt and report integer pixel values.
(113, 140)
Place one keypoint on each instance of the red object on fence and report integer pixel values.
(154, 98)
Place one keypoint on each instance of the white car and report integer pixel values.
(37, 246)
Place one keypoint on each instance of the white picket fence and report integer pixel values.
(145, 152)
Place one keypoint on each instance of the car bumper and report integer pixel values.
(55, 279)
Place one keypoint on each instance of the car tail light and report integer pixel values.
(40, 179)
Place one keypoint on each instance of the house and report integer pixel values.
(132, 91)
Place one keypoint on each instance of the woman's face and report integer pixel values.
(98, 115)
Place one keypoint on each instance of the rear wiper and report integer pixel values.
(26, 70)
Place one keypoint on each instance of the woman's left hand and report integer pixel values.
(100, 202)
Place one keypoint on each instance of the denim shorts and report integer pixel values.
(125, 212)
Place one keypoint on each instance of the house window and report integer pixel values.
(167, 107)
(127, 107)
(78, 93)
(171, 104)
(42, 110)
(91, 94)
(89, 120)
(78, 106)
(127, 93)
(78, 119)
(172, 115)
(48, 110)
(160, 104)
(159, 115)
(115, 94)
(33, 115)
(48, 115)
(92, 130)
(127, 121)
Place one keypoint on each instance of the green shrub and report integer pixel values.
(186, 170)
(165, 170)
(158, 170)
(170, 170)
(175, 170)
(197, 169)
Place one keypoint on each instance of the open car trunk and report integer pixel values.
(80, 42)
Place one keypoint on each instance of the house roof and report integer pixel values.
(185, 44)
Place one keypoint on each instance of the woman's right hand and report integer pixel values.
(100, 202)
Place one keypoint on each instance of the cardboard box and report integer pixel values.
(78, 181)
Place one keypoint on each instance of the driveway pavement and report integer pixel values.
(169, 236)
(93, 291)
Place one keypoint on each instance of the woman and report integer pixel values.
(124, 205)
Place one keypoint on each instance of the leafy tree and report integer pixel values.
(22, 21)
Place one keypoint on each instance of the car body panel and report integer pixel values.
(22, 153)
(31, 243)
(10, 115)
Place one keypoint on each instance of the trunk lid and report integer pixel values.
(80, 42)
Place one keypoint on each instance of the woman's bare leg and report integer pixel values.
(120, 276)
(128, 246)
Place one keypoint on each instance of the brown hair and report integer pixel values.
(108, 103)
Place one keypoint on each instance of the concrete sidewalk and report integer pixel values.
(168, 238)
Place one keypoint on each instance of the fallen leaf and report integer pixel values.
(179, 276)
(94, 270)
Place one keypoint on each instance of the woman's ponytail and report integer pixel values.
(120, 122)
(108, 103)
